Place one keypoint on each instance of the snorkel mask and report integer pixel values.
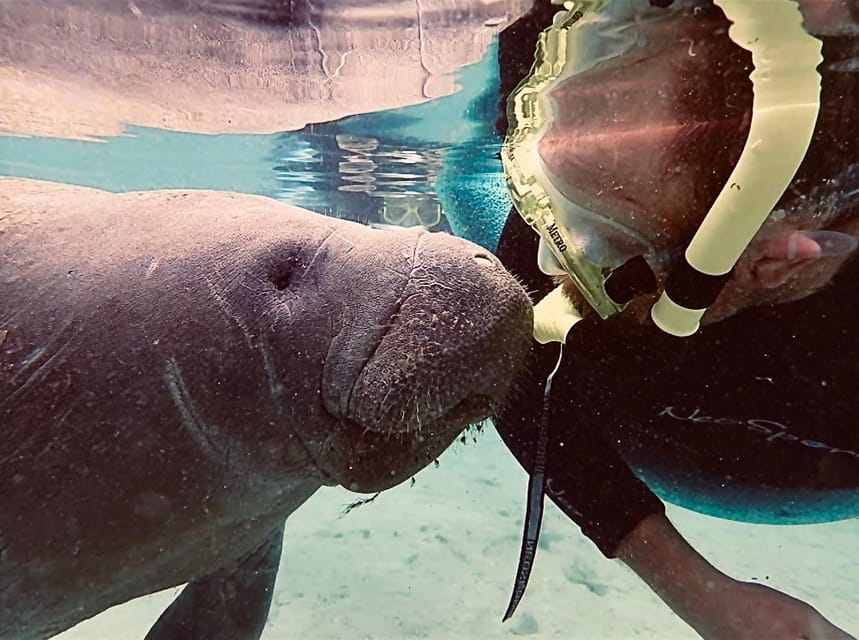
(611, 263)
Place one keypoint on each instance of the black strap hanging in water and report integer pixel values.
(534, 507)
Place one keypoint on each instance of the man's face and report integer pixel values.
(627, 135)
(649, 138)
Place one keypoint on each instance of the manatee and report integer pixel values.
(181, 370)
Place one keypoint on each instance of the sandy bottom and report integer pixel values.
(437, 560)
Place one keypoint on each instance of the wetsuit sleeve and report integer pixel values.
(586, 476)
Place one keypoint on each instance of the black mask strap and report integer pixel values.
(534, 507)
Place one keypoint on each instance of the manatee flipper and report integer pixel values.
(231, 604)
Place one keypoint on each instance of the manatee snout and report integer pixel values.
(453, 345)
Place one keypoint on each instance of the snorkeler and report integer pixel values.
(752, 415)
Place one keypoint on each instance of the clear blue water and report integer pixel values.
(380, 167)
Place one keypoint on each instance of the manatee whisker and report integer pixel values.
(385, 399)
(418, 416)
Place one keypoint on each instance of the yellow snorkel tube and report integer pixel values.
(784, 113)
(786, 103)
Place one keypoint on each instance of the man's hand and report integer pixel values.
(714, 604)
(742, 610)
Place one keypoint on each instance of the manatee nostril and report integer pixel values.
(483, 260)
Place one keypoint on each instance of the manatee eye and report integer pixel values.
(280, 274)
(280, 281)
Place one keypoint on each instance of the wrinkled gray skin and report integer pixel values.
(179, 371)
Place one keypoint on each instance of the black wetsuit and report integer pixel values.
(754, 418)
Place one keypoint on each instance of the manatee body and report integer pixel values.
(179, 371)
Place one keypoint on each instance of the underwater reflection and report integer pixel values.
(213, 66)
(361, 178)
